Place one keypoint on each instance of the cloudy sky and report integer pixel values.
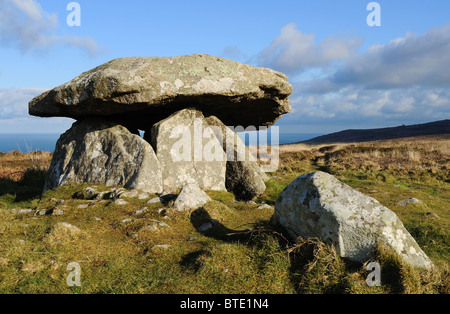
(345, 73)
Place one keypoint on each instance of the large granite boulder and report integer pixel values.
(188, 152)
(98, 151)
(244, 177)
(317, 205)
(140, 91)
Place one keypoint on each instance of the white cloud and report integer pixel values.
(402, 62)
(14, 117)
(436, 98)
(294, 51)
(357, 104)
(26, 26)
(31, 8)
(14, 101)
(405, 80)
(234, 53)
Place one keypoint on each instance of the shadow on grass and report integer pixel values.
(28, 188)
(191, 261)
(202, 221)
(314, 267)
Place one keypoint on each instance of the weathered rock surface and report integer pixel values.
(22, 211)
(408, 201)
(318, 205)
(97, 151)
(244, 178)
(156, 225)
(264, 206)
(190, 197)
(188, 152)
(139, 91)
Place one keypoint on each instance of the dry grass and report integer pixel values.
(292, 148)
(440, 143)
(13, 165)
(424, 156)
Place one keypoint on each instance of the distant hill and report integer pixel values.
(350, 136)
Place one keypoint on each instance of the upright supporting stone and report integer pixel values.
(98, 151)
(244, 178)
(188, 152)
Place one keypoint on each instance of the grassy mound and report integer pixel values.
(150, 248)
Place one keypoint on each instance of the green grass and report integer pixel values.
(242, 254)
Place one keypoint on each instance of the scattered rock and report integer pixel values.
(58, 212)
(154, 200)
(431, 215)
(68, 226)
(83, 206)
(127, 220)
(143, 196)
(190, 197)
(162, 246)
(265, 206)
(161, 211)
(115, 193)
(199, 217)
(90, 191)
(156, 225)
(101, 195)
(130, 194)
(317, 205)
(59, 202)
(22, 211)
(140, 211)
(152, 228)
(408, 201)
(205, 227)
(120, 202)
(43, 212)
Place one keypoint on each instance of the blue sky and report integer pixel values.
(345, 74)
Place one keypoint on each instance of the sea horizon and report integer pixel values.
(45, 142)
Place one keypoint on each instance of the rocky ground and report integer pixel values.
(129, 241)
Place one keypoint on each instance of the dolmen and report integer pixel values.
(187, 107)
